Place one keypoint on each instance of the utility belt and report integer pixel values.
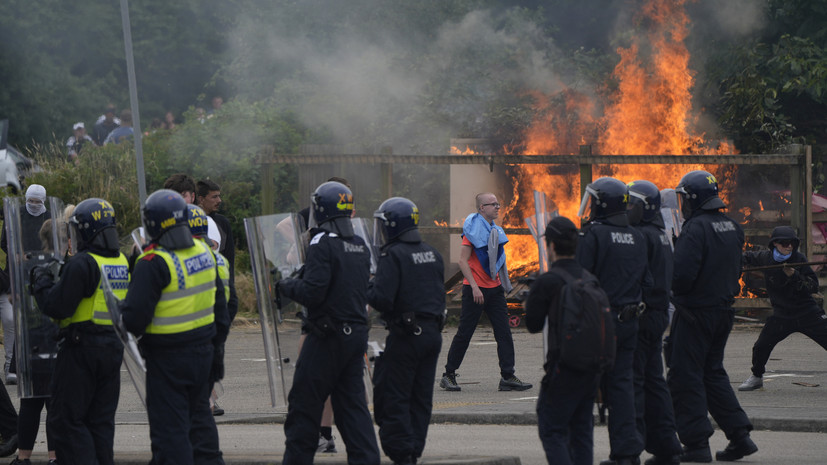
(325, 326)
(73, 335)
(408, 322)
(629, 312)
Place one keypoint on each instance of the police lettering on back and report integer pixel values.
(723, 226)
(623, 238)
(423, 257)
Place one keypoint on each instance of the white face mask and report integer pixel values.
(35, 207)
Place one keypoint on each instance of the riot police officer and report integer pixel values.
(409, 292)
(333, 286)
(176, 301)
(704, 284)
(653, 404)
(86, 381)
(615, 253)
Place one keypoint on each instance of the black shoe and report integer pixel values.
(8, 446)
(513, 384)
(216, 410)
(736, 449)
(696, 454)
(449, 382)
(18, 461)
(663, 460)
(622, 461)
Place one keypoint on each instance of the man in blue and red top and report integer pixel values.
(176, 301)
(482, 262)
(86, 383)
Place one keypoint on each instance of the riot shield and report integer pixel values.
(276, 251)
(139, 237)
(672, 216)
(33, 240)
(132, 358)
(363, 229)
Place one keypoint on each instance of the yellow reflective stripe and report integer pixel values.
(102, 316)
(174, 320)
(187, 292)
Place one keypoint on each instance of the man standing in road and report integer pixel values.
(482, 262)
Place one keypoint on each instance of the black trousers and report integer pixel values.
(181, 425)
(496, 309)
(697, 379)
(653, 404)
(776, 329)
(565, 421)
(85, 389)
(404, 389)
(8, 415)
(29, 423)
(624, 438)
(330, 366)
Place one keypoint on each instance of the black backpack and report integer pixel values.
(585, 324)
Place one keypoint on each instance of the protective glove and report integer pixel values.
(41, 278)
(217, 371)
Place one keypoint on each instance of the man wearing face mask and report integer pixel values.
(31, 221)
(791, 290)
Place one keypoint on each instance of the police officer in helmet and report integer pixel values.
(704, 284)
(176, 301)
(333, 286)
(616, 254)
(86, 379)
(409, 292)
(653, 405)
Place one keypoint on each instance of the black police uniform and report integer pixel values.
(333, 287)
(616, 255)
(565, 404)
(794, 308)
(87, 376)
(653, 404)
(180, 368)
(409, 292)
(705, 282)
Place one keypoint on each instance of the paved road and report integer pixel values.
(504, 424)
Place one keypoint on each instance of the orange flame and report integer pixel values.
(650, 113)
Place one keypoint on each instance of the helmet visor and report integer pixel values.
(586, 212)
(380, 233)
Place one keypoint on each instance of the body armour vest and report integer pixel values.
(94, 308)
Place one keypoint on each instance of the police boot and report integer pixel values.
(663, 460)
(736, 449)
(405, 461)
(698, 453)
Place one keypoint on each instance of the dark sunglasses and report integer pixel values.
(784, 243)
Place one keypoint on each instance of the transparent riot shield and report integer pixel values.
(364, 229)
(132, 359)
(277, 248)
(671, 213)
(33, 240)
(537, 227)
(139, 237)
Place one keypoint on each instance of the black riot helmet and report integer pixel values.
(605, 199)
(644, 202)
(197, 220)
(396, 219)
(698, 190)
(165, 220)
(333, 207)
(93, 224)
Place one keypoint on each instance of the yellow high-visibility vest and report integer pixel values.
(94, 308)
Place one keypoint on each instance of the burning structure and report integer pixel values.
(640, 126)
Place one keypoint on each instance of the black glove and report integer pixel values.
(41, 278)
(217, 371)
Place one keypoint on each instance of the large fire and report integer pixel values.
(650, 113)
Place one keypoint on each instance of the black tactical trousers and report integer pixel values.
(330, 366)
(404, 389)
(697, 379)
(812, 325)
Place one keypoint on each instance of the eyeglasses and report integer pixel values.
(495, 205)
(784, 243)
